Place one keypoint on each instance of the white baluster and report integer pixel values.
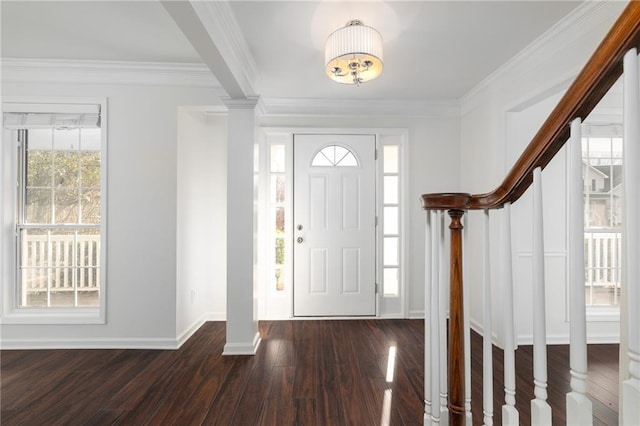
(444, 302)
(540, 409)
(579, 410)
(435, 318)
(631, 387)
(510, 416)
(487, 354)
(467, 325)
(427, 319)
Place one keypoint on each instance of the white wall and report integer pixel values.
(142, 215)
(499, 117)
(201, 203)
(433, 167)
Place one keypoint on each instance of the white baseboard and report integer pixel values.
(391, 316)
(161, 343)
(563, 339)
(242, 348)
(185, 335)
(215, 316)
(99, 343)
(416, 315)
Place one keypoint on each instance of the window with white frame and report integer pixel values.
(277, 212)
(602, 147)
(391, 220)
(58, 205)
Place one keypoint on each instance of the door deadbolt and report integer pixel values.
(299, 227)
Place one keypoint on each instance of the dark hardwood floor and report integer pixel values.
(305, 373)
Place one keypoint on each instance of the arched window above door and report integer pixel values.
(334, 156)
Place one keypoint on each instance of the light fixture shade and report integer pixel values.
(353, 54)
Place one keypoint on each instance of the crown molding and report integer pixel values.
(351, 107)
(221, 24)
(107, 72)
(581, 20)
(238, 103)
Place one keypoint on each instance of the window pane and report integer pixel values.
(390, 251)
(279, 279)
(279, 260)
(616, 180)
(277, 159)
(66, 205)
(602, 296)
(390, 220)
(321, 160)
(62, 298)
(616, 147)
(334, 155)
(277, 189)
(34, 248)
(89, 297)
(38, 206)
(40, 139)
(66, 169)
(279, 220)
(390, 158)
(90, 206)
(39, 168)
(348, 160)
(390, 277)
(339, 153)
(34, 287)
(390, 189)
(90, 139)
(599, 147)
(66, 139)
(73, 260)
(90, 169)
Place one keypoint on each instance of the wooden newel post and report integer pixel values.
(456, 325)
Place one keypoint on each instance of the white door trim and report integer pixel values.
(274, 305)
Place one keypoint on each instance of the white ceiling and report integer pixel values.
(434, 50)
(93, 30)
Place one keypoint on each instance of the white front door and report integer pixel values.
(334, 220)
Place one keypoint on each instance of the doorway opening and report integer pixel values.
(321, 192)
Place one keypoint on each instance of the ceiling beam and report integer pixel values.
(209, 27)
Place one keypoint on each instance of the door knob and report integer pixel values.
(299, 240)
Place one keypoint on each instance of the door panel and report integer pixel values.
(334, 216)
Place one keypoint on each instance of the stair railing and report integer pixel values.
(618, 52)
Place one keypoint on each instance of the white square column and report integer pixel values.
(243, 336)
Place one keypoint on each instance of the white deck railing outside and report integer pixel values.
(60, 263)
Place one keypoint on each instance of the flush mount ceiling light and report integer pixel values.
(353, 54)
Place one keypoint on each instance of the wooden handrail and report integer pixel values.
(596, 78)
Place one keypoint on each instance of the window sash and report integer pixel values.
(65, 266)
(74, 271)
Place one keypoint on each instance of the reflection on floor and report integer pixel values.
(348, 372)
